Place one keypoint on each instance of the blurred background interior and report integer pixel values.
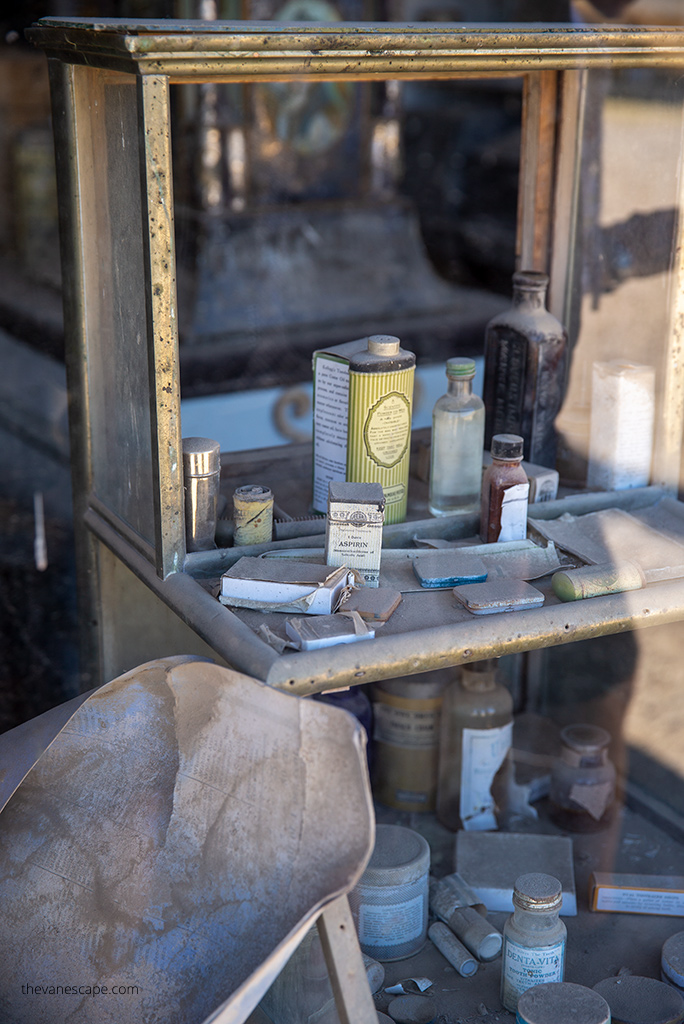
(313, 214)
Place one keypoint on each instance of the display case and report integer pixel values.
(598, 208)
(111, 84)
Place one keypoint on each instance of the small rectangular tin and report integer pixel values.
(353, 533)
(500, 595)
(449, 568)
(327, 630)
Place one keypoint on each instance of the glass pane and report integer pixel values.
(625, 270)
(312, 214)
(118, 369)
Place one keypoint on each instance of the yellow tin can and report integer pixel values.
(379, 420)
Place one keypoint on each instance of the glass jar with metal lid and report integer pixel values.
(534, 937)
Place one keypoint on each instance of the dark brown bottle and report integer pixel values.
(525, 368)
(505, 492)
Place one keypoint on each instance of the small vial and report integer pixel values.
(534, 938)
(505, 492)
(458, 422)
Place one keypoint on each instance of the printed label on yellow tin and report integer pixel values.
(394, 494)
(387, 430)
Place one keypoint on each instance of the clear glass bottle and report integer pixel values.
(505, 491)
(475, 737)
(534, 938)
(458, 422)
(582, 791)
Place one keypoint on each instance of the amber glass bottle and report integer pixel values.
(505, 490)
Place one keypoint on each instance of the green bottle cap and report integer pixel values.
(460, 367)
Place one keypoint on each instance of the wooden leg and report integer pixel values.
(342, 953)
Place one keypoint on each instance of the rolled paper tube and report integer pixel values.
(468, 924)
(595, 580)
(454, 951)
(476, 933)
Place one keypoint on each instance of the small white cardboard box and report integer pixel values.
(490, 862)
(285, 585)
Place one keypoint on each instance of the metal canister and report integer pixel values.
(379, 425)
(252, 515)
(201, 479)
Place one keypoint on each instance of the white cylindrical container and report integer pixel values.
(390, 902)
(622, 421)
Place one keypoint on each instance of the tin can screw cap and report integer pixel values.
(460, 368)
(537, 891)
(383, 345)
(507, 446)
(201, 456)
(532, 280)
(585, 739)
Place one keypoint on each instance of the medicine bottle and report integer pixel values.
(582, 790)
(475, 737)
(405, 747)
(505, 490)
(525, 369)
(534, 938)
(458, 420)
